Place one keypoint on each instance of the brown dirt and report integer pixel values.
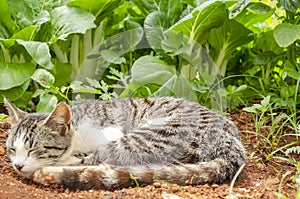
(261, 179)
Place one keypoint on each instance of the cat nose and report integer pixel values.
(19, 166)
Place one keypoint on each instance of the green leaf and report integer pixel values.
(290, 5)
(285, 34)
(155, 24)
(151, 70)
(62, 72)
(174, 42)
(39, 51)
(29, 12)
(21, 12)
(3, 32)
(197, 25)
(293, 74)
(99, 8)
(43, 17)
(253, 109)
(290, 71)
(264, 58)
(256, 108)
(76, 85)
(15, 92)
(287, 92)
(23, 100)
(13, 75)
(238, 8)
(170, 7)
(68, 20)
(24, 34)
(93, 83)
(45, 33)
(47, 103)
(131, 38)
(2, 117)
(294, 149)
(112, 57)
(241, 88)
(265, 42)
(226, 39)
(43, 77)
(6, 23)
(38, 92)
(266, 101)
(118, 44)
(253, 13)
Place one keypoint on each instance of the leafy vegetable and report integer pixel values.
(12, 75)
(286, 34)
(151, 70)
(196, 25)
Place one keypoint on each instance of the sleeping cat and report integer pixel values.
(119, 143)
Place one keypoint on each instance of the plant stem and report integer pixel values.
(266, 75)
(5, 53)
(291, 51)
(122, 68)
(234, 180)
(59, 54)
(98, 35)
(130, 60)
(291, 54)
(87, 43)
(179, 62)
(295, 102)
(56, 90)
(282, 179)
(220, 62)
(74, 59)
(262, 85)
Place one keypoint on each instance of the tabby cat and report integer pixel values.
(119, 143)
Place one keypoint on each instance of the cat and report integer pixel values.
(123, 143)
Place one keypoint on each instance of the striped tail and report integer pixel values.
(110, 177)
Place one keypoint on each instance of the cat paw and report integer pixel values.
(47, 175)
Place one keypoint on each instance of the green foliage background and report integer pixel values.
(219, 53)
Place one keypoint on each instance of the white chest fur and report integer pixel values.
(89, 136)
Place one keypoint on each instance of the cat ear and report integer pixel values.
(59, 117)
(14, 112)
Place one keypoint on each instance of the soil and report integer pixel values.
(260, 179)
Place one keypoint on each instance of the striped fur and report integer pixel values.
(115, 144)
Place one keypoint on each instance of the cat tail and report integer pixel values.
(110, 177)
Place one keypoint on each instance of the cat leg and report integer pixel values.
(47, 175)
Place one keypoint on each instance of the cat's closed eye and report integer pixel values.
(55, 148)
(30, 151)
(11, 150)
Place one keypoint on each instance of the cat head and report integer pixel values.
(37, 140)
